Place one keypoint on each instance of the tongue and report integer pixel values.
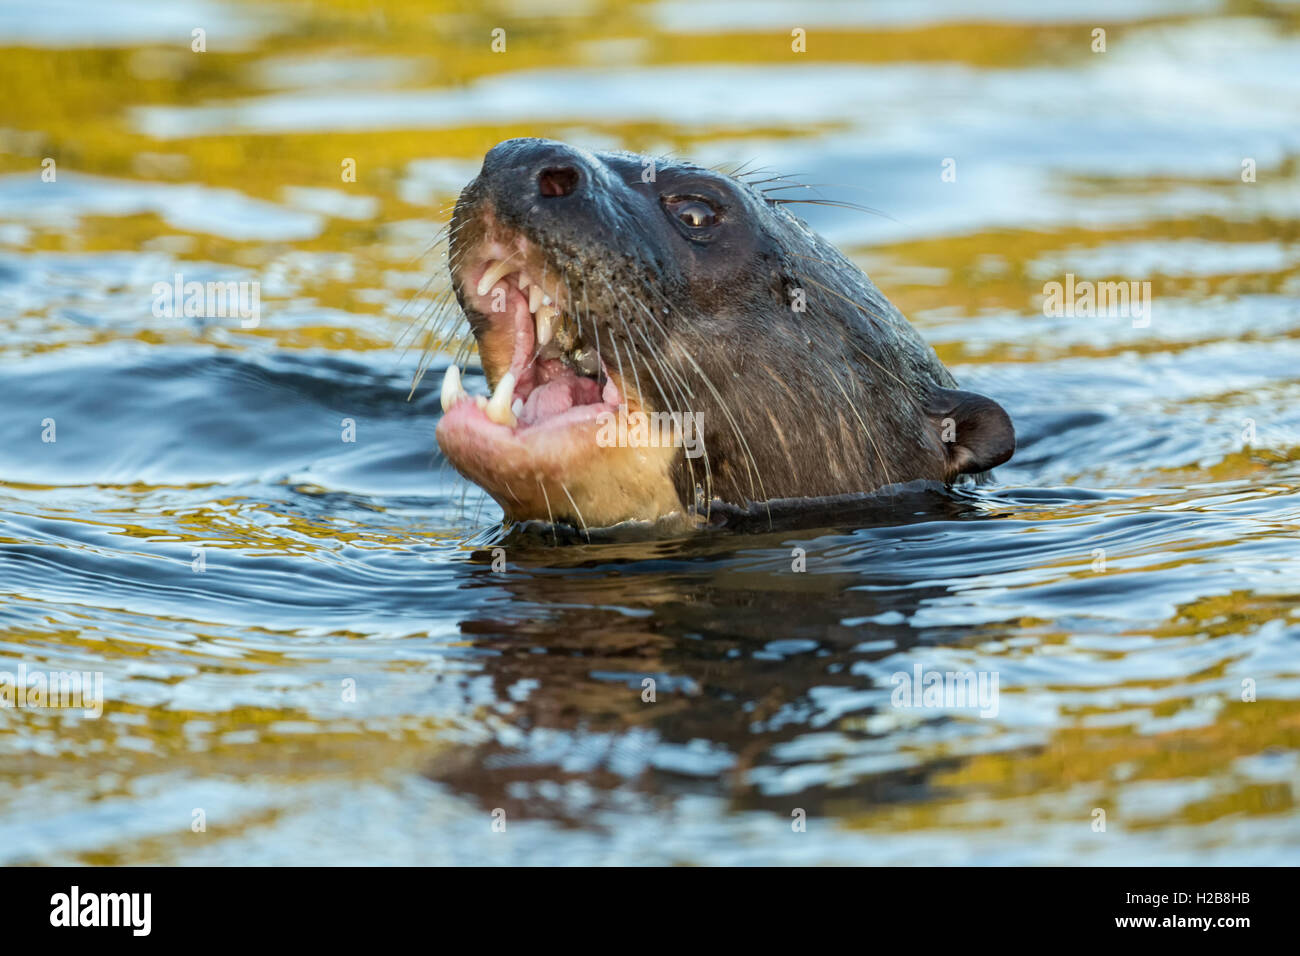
(558, 396)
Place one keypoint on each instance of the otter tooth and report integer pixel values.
(492, 275)
(534, 298)
(518, 407)
(480, 401)
(547, 300)
(452, 390)
(547, 319)
(498, 406)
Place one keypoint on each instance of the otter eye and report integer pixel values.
(692, 213)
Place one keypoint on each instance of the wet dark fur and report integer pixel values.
(844, 397)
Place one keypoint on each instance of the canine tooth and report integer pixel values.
(452, 390)
(546, 321)
(534, 298)
(498, 406)
(492, 275)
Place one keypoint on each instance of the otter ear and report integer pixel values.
(976, 432)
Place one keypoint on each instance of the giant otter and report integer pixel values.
(602, 285)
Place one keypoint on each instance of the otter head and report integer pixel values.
(657, 336)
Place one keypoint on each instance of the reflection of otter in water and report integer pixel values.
(603, 287)
(573, 634)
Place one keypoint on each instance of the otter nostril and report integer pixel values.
(557, 180)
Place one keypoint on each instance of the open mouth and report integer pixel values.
(555, 376)
(551, 382)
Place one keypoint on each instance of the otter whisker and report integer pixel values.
(825, 262)
(838, 203)
(433, 321)
(640, 394)
(751, 463)
(435, 340)
(618, 360)
(550, 516)
(669, 369)
(866, 431)
(577, 510)
(740, 170)
(779, 178)
(674, 394)
(478, 512)
(863, 309)
(794, 185)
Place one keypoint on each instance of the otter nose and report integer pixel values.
(556, 181)
(529, 169)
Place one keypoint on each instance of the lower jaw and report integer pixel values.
(556, 471)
